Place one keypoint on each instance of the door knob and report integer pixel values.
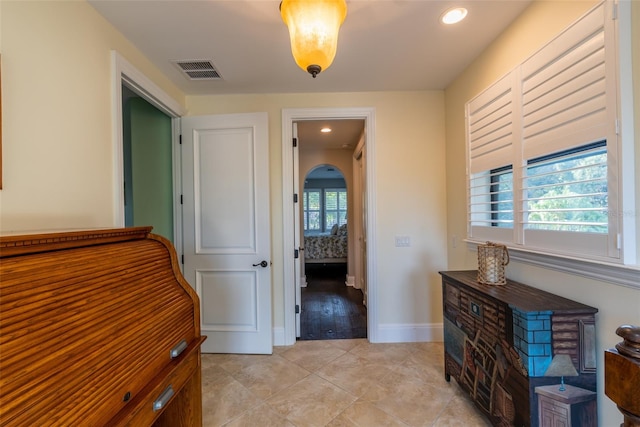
(261, 264)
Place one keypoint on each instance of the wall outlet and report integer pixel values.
(403, 241)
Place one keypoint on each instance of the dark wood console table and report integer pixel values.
(500, 340)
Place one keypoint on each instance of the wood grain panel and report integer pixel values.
(88, 322)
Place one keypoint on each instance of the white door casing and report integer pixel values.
(225, 178)
(124, 73)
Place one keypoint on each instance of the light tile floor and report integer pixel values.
(338, 383)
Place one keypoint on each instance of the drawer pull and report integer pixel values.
(178, 349)
(163, 399)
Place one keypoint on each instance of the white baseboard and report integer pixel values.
(351, 281)
(279, 337)
(417, 332)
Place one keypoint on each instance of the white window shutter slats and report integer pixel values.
(490, 130)
(564, 95)
(542, 151)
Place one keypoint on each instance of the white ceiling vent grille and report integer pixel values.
(198, 69)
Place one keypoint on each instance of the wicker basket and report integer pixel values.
(492, 258)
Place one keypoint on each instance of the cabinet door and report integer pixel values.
(554, 414)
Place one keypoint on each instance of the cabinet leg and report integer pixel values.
(447, 377)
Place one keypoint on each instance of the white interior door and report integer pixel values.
(225, 177)
(362, 165)
(297, 239)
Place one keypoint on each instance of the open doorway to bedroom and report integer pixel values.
(332, 304)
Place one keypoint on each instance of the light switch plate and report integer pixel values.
(403, 241)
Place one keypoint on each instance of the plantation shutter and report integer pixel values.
(564, 103)
(490, 127)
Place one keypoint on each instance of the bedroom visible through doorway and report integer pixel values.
(332, 305)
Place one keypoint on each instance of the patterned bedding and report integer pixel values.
(327, 247)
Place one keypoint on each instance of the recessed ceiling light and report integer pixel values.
(453, 16)
(325, 130)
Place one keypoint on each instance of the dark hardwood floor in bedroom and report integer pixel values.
(331, 309)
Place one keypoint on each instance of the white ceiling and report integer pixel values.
(344, 134)
(384, 45)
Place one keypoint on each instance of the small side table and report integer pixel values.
(575, 407)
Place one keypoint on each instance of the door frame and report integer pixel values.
(289, 116)
(123, 72)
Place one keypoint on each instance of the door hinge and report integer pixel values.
(295, 198)
(181, 200)
(296, 253)
(182, 258)
(295, 142)
(180, 139)
(617, 126)
(297, 309)
(614, 11)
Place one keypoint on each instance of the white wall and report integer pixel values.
(617, 305)
(57, 130)
(410, 192)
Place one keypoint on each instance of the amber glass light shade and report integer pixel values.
(313, 30)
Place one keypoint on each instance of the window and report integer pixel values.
(335, 207)
(491, 200)
(543, 150)
(567, 191)
(311, 206)
(323, 208)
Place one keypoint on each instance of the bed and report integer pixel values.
(327, 248)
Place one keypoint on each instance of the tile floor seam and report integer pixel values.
(400, 359)
(444, 408)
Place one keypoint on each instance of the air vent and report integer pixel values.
(198, 70)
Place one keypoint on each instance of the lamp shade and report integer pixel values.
(313, 30)
(561, 366)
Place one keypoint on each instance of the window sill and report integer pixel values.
(622, 275)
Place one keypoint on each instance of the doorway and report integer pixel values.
(147, 158)
(292, 233)
(331, 307)
(124, 74)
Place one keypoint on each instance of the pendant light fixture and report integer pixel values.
(313, 30)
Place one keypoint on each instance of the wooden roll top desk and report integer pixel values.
(97, 328)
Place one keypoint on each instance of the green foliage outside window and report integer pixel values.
(568, 194)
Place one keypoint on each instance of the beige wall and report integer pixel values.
(635, 37)
(57, 129)
(409, 145)
(617, 305)
(58, 154)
